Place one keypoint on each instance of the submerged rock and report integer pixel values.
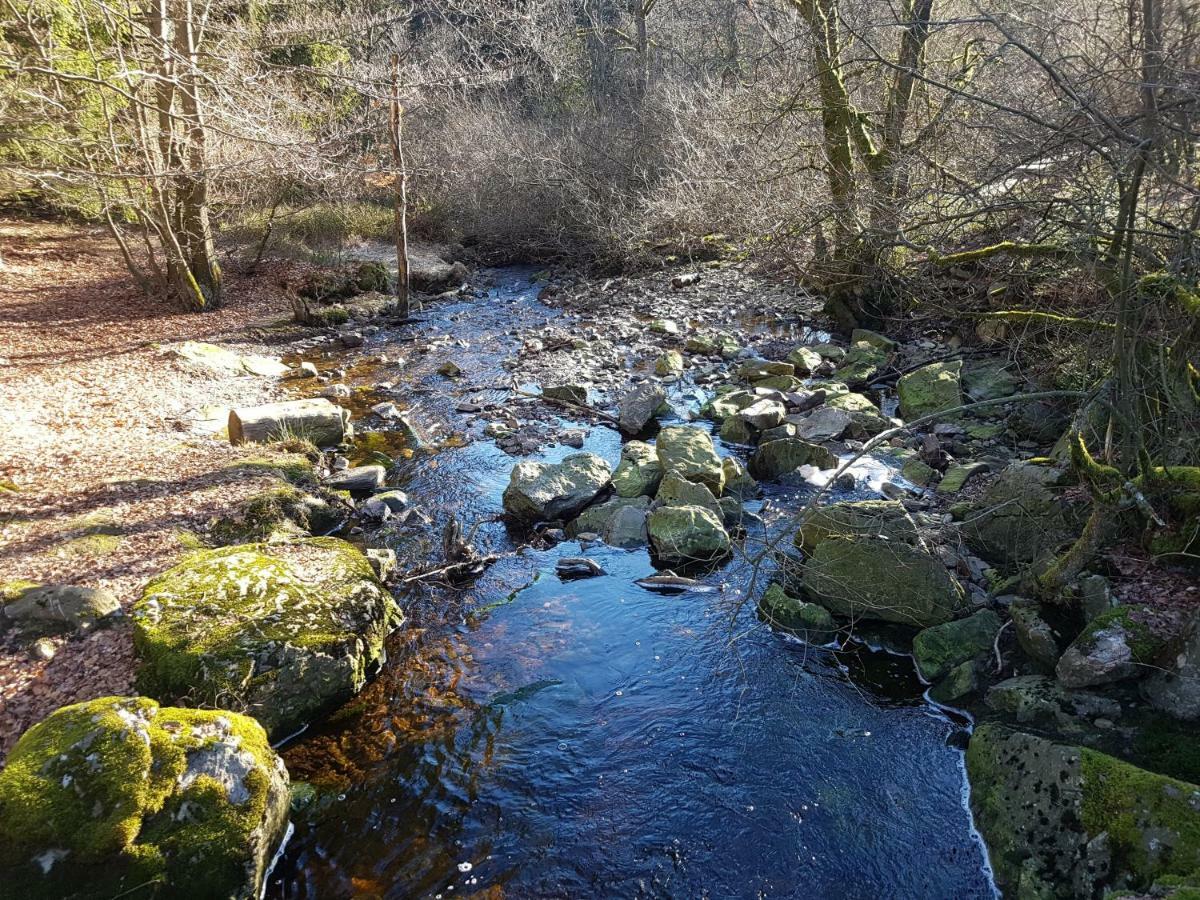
(555, 491)
(930, 389)
(639, 471)
(283, 632)
(108, 797)
(690, 452)
(687, 534)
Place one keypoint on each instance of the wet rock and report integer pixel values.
(680, 535)
(763, 414)
(809, 621)
(735, 430)
(285, 631)
(873, 578)
(959, 683)
(449, 369)
(1042, 701)
(691, 453)
(358, 479)
(728, 404)
(886, 519)
(336, 392)
(383, 562)
(826, 424)
(956, 477)
(670, 363)
(639, 406)
(756, 370)
(675, 490)
(873, 338)
(1040, 421)
(639, 471)
(738, 483)
(1034, 635)
(577, 567)
(597, 518)
(916, 471)
(627, 528)
(930, 389)
(775, 459)
(568, 393)
(106, 797)
(1118, 645)
(549, 491)
(941, 648)
(58, 607)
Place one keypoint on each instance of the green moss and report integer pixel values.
(1146, 646)
(120, 785)
(293, 468)
(12, 590)
(278, 510)
(91, 546)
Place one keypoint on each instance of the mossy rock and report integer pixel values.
(810, 621)
(56, 607)
(676, 490)
(1073, 821)
(120, 797)
(681, 535)
(861, 364)
(555, 491)
(941, 648)
(856, 518)
(1126, 642)
(282, 632)
(639, 471)
(727, 404)
(281, 510)
(738, 482)
(598, 518)
(670, 363)
(930, 389)
(690, 452)
(780, 458)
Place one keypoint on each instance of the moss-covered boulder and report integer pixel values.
(861, 364)
(941, 648)
(670, 363)
(738, 482)
(727, 403)
(280, 510)
(676, 490)
(282, 632)
(548, 492)
(866, 420)
(690, 452)
(805, 360)
(809, 621)
(597, 518)
(930, 389)
(122, 797)
(856, 518)
(1126, 642)
(777, 459)
(1063, 821)
(874, 578)
(639, 471)
(680, 535)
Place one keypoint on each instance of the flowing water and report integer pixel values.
(531, 737)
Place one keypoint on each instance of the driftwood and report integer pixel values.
(316, 420)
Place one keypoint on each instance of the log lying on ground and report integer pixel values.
(316, 420)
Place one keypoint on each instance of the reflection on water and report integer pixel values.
(535, 738)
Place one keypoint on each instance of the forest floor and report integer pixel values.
(109, 475)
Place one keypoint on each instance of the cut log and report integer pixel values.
(316, 420)
(358, 480)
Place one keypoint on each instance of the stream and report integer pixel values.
(533, 737)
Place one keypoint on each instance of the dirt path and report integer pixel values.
(111, 479)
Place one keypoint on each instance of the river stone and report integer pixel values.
(809, 621)
(776, 459)
(703, 344)
(861, 364)
(918, 472)
(783, 384)
(1064, 821)
(874, 338)
(754, 370)
(735, 430)
(568, 393)
(555, 491)
(856, 518)
(676, 490)
(60, 607)
(805, 360)
(939, 649)
(989, 379)
(639, 406)
(279, 510)
(1043, 421)
(873, 578)
(825, 424)
(106, 797)
(763, 414)
(960, 682)
(1042, 701)
(738, 482)
(670, 363)
(930, 389)
(627, 528)
(691, 453)
(358, 479)
(1022, 517)
(664, 326)
(1175, 688)
(598, 518)
(283, 632)
(686, 534)
(727, 404)
(1034, 635)
(1120, 644)
(866, 420)
(639, 471)
(957, 476)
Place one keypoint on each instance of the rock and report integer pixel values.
(738, 483)
(1022, 517)
(1061, 820)
(351, 339)
(627, 528)
(988, 380)
(597, 518)
(639, 471)
(316, 420)
(54, 607)
(1036, 699)
(930, 389)
(435, 276)
(735, 430)
(43, 649)
(827, 424)
(916, 471)
(1175, 688)
(690, 452)
(383, 562)
(1034, 636)
(680, 535)
(1095, 596)
(307, 369)
(809, 621)
(577, 567)
(957, 476)
(1120, 644)
(776, 459)
(336, 392)
(733, 515)
(555, 491)
(962, 681)
(282, 510)
(763, 414)
(1042, 421)
(664, 326)
(106, 797)
(568, 393)
(782, 384)
(831, 352)
(678, 491)
(874, 339)
(702, 344)
(861, 364)
(639, 406)
(287, 631)
(686, 279)
(728, 404)
(873, 578)
(886, 519)
(754, 370)
(805, 360)
(866, 420)
(449, 369)
(670, 363)
(358, 479)
(941, 648)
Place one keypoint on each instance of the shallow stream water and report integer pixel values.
(531, 737)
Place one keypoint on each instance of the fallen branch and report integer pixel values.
(591, 410)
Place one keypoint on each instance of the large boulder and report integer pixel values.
(776, 459)
(681, 535)
(690, 452)
(765, 413)
(1122, 643)
(431, 275)
(874, 578)
(1063, 821)
(738, 482)
(59, 607)
(282, 632)
(1042, 701)
(856, 518)
(825, 424)
(866, 420)
(930, 389)
(122, 797)
(727, 403)
(862, 363)
(598, 518)
(546, 492)
(639, 471)
(639, 406)
(676, 490)
(941, 648)
(1024, 516)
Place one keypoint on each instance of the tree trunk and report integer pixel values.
(400, 199)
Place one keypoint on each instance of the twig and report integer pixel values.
(566, 403)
